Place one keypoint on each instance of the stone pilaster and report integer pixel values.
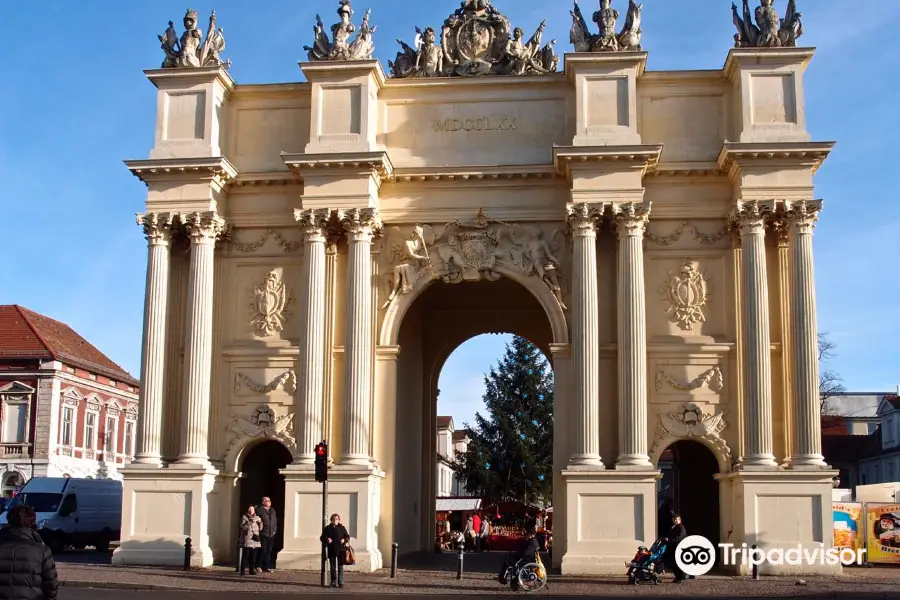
(750, 218)
(204, 229)
(361, 225)
(801, 218)
(583, 220)
(310, 422)
(158, 230)
(631, 222)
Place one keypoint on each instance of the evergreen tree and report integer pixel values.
(510, 456)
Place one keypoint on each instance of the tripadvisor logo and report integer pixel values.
(696, 555)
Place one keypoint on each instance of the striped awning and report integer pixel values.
(451, 504)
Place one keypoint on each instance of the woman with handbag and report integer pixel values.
(250, 540)
(337, 545)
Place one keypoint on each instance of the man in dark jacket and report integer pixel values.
(267, 533)
(674, 537)
(27, 568)
(526, 552)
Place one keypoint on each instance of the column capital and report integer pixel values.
(583, 218)
(750, 216)
(204, 227)
(313, 222)
(801, 215)
(157, 227)
(631, 217)
(361, 224)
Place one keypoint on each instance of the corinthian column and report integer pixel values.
(204, 229)
(309, 423)
(361, 225)
(157, 229)
(583, 220)
(750, 217)
(801, 218)
(631, 222)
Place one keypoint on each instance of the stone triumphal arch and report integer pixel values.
(317, 249)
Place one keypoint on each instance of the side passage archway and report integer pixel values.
(689, 488)
(260, 477)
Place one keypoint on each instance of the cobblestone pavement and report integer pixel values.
(855, 583)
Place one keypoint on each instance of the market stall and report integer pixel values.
(450, 521)
(509, 522)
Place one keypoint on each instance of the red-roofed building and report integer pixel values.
(66, 409)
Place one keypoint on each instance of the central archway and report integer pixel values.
(428, 324)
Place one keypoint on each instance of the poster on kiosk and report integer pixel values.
(849, 528)
(883, 533)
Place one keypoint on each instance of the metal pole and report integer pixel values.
(754, 569)
(325, 522)
(240, 555)
(459, 563)
(394, 547)
(187, 554)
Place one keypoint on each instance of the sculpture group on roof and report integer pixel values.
(477, 39)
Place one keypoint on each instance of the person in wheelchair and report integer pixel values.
(526, 552)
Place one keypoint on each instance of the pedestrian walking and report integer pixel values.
(337, 542)
(27, 568)
(267, 533)
(674, 537)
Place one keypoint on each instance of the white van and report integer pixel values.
(73, 512)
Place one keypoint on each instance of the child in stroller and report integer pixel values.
(647, 565)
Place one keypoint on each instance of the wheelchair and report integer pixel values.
(528, 575)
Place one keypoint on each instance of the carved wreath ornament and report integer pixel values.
(688, 422)
(687, 294)
(268, 304)
(262, 423)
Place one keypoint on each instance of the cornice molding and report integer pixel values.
(373, 164)
(182, 77)
(762, 57)
(736, 155)
(510, 173)
(346, 69)
(577, 61)
(697, 170)
(568, 159)
(216, 169)
(265, 179)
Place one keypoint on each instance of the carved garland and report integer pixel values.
(286, 245)
(712, 378)
(285, 380)
(668, 240)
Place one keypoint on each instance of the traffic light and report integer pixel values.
(322, 462)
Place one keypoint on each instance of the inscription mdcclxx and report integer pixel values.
(479, 124)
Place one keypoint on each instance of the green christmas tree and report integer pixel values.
(510, 456)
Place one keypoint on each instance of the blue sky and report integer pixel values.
(72, 111)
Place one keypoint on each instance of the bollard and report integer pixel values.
(459, 563)
(187, 554)
(394, 548)
(240, 557)
(754, 569)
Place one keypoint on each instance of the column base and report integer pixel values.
(160, 509)
(595, 543)
(809, 462)
(590, 462)
(762, 462)
(353, 493)
(634, 462)
(779, 510)
(149, 462)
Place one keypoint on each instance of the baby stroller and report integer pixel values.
(647, 565)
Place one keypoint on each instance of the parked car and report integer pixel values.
(73, 512)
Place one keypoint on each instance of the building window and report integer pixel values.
(90, 431)
(129, 438)
(889, 430)
(110, 442)
(68, 426)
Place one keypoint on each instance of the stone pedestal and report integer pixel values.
(353, 493)
(779, 509)
(605, 97)
(160, 509)
(608, 515)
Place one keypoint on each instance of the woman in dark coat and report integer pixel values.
(336, 538)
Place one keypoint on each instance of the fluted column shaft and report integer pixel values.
(801, 218)
(361, 226)
(757, 355)
(631, 222)
(309, 423)
(583, 220)
(204, 229)
(157, 229)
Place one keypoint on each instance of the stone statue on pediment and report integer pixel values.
(191, 50)
(475, 40)
(339, 47)
(607, 40)
(764, 28)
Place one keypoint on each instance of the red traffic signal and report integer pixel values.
(321, 462)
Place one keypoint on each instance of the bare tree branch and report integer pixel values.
(830, 382)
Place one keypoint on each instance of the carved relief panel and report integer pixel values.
(273, 385)
(687, 294)
(686, 379)
(263, 303)
(476, 250)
